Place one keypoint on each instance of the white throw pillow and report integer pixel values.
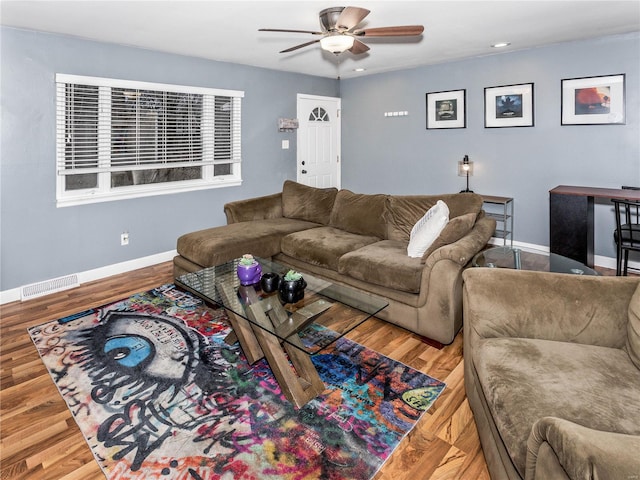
(427, 229)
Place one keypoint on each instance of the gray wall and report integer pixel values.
(398, 155)
(39, 241)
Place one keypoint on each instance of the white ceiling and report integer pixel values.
(228, 30)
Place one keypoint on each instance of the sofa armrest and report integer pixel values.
(441, 286)
(500, 302)
(257, 208)
(583, 453)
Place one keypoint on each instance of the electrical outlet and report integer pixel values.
(124, 238)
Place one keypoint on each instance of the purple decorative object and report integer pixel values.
(249, 270)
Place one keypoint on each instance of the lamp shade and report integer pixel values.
(465, 168)
(336, 43)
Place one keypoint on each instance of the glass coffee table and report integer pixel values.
(519, 259)
(283, 333)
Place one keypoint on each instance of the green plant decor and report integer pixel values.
(292, 276)
(247, 259)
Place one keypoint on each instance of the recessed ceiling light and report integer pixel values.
(359, 69)
(501, 45)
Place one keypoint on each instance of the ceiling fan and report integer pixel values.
(339, 32)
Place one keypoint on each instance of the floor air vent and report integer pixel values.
(49, 286)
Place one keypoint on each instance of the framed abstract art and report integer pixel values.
(593, 100)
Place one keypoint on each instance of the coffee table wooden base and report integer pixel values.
(300, 383)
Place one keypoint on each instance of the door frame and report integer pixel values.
(337, 131)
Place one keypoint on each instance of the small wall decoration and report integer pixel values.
(287, 124)
(508, 106)
(593, 100)
(446, 109)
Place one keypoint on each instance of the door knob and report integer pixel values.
(304, 171)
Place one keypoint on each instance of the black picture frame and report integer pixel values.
(598, 100)
(509, 106)
(446, 109)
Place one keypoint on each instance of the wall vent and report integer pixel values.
(49, 286)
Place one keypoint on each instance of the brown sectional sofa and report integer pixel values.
(355, 239)
(552, 373)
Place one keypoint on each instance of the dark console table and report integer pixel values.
(571, 219)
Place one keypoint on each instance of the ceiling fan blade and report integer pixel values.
(403, 31)
(289, 31)
(350, 17)
(358, 47)
(302, 45)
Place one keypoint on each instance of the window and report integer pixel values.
(318, 114)
(122, 139)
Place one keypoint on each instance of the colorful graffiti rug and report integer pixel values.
(159, 395)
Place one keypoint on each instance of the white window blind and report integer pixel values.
(119, 135)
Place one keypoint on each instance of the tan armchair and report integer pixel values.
(552, 373)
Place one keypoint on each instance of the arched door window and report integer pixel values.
(318, 114)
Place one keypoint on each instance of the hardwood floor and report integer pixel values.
(40, 440)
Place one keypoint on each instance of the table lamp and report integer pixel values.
(465, 169)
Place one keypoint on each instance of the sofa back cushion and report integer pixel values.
(307, 203)
(455, 229)
(360, 213)
(403, 211)
(633, 328)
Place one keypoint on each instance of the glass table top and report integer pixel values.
(327, 311)
(516, 258)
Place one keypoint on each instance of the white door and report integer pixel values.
(318, 141)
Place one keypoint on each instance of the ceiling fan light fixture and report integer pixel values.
(337, 43)
(340, 31)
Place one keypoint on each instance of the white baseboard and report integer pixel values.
(608, 262)
(102, 272)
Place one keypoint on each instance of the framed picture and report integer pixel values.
(593, 100)
(508, 106)
(447, 109)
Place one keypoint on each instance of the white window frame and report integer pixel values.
(104, 192)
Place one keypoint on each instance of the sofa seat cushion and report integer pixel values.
(323, 246)
(527, 379)
(384, 263)
(217, 245)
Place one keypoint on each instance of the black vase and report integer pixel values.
(291, 291)
(270, 282)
